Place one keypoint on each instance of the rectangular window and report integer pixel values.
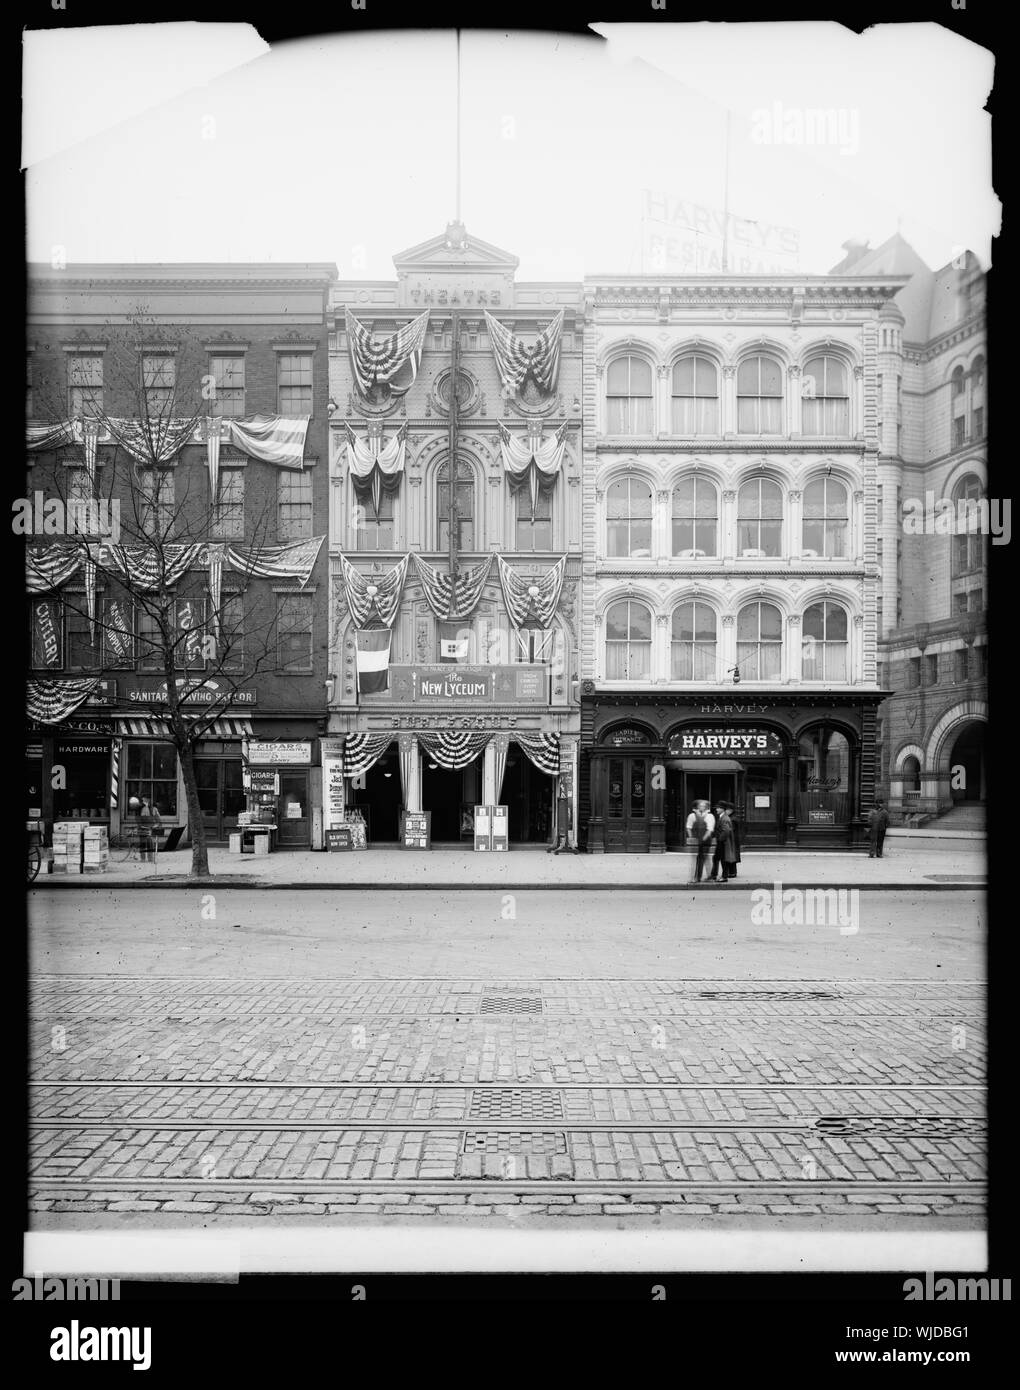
(149, 642)
(960, 603)
(294, 382)
(47, 635)
(981, 656)
(374, 530)
(913, 672)
(294, 632)
(159, 377)
(85, 384)
(978, 428)
(294, 501)
(960, 666)
(118, 633)
(931, 672)
(230, 645)
(152, 774)
(959, 432)
(228, 378)
(155, 502)
(228, 513)
(534, 529)
(83, 648)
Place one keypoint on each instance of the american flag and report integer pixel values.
(376, 363)
(516, 362)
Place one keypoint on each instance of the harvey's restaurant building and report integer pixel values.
(731, 566)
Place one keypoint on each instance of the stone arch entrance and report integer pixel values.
(967, 764)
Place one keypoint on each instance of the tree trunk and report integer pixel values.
(199, 849)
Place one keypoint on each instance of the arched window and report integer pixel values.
(759, 396)
(825, 403)
(695, 517)
(825, 650)
(957, 382)
(823, 777)
(629, 405)
(826, 516)
(695, 396)
(759, 642)
(629, 519)
(977, 399)
(628, 641)
(911, 774)
(693, 652)
(464, 501)
(968, 543)
(760, 518)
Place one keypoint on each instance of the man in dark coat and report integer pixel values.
(735, 824)
(878, 824)
(725, 840)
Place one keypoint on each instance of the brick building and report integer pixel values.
(449, 694)
(240, 351)
(730, 568)
(933, 476)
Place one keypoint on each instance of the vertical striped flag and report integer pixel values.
(373, 659)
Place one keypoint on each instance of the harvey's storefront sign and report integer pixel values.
(465, 686)
(700, 742)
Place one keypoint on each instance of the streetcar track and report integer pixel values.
(553, 1186)
(521, 1085)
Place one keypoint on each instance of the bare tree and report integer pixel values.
(178, 599)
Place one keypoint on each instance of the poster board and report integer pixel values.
(500, 828)
(416, 829)
(341, 838)
(483, 827)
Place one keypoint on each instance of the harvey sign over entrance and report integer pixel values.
(725, 743)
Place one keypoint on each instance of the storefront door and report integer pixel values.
(627, 828)
(294, 813)
(220, 795)
(683, 789)
(761, 819)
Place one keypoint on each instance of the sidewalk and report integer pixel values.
(956, 863)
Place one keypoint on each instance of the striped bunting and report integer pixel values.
(527, 609)
(515, 362)
(373, 597)
(50, 701)
(543, 750)
(362, 751)
(377, 363)
(453, 748)
(451, 600)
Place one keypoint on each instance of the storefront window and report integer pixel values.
(152, 773)
(80, 777)
(823, 777)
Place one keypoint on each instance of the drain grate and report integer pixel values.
(525, 1142)
(509, 1104)
(765, 994)
(510, 1004)
(901, 1126)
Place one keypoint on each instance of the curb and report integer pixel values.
(460, 887)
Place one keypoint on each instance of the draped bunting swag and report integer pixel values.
(532, 461)
(90, 596)
(215, 584)
(381, 606)
(48, 567)
(376, 467)
(527, 609)
(276, 439)
(515, 362)
(453, 748)
(211, 429)
(362, 751)
(293, 561)
(50, 701)
(543, 750)
(450, 602)
(376, 363)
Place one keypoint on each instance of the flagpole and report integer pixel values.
(452, 463)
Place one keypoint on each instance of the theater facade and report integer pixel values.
(730, 564)
(455, 545)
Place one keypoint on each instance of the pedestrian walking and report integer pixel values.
(724, 844)
(700, 829)
(150, 825)
(717, 872)
(563, 812)
(878, 824)
(735, 823)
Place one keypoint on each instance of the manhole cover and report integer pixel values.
(510, 1104)
(765, 994)
(510, 1004)
(901, 1126)
(494, 1141)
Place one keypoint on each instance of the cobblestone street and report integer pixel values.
(843, 1083)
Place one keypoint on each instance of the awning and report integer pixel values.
(140, 727)
(704, 765)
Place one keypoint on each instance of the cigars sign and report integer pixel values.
(708, 742)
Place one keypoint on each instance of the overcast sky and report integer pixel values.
(191, 142)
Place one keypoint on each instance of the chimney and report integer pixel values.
(855, 247)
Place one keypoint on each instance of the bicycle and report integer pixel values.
(34, 856)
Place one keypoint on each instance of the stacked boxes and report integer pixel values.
(96, 850)
(68, 839)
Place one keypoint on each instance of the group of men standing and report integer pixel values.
(716, 834)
